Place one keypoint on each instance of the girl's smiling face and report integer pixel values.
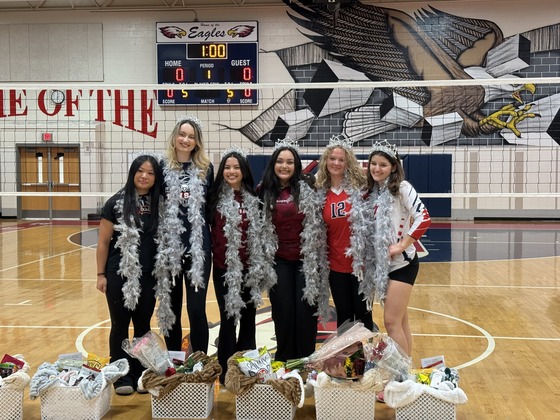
(185, 142)
(144, 178)
(336, 163)
(232, 173)
(380, 168)
(284, 167)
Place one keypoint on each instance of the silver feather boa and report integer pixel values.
(229, 209)
(370, 261)
(381, 241)
(195, 216)
(313, 250)
(128, 243)
(170, 251)
(361, 220)
(170, 247)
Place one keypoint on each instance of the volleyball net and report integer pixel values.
(485, 147)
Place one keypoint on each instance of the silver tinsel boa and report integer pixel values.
(382, 235)
(170, 251)
(313, 250)
(170, 247)
(371, 260)
(195, 216)
(228, 207)
(128, 242)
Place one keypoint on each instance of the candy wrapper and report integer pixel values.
(150, 351)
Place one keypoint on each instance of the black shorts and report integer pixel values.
(408, 273)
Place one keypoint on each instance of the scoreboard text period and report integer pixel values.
(207, 53)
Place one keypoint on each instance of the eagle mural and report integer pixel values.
(364, 42)
(390, 45)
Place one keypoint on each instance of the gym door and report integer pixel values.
(49, 169)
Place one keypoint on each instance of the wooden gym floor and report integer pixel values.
(487, 298)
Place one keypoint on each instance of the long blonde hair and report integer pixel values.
(198, 156)
(355, 175)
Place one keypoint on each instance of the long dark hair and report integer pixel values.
(130, 196)
(270, 187)
(247, 182)
(395, 178)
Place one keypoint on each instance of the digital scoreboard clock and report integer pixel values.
(207, 53)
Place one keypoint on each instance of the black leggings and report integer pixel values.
(228, 342)
(121, 317)
(295, 321)
(349, 304)
(196, 309)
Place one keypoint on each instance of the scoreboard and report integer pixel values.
(207, 53)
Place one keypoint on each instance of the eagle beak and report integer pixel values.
(530, 87)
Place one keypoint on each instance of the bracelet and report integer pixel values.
(100, 274)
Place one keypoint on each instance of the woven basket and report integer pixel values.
(427, 407)
(188, 400)
(11, 404)
(344, 403)
(263, 402)
(69, 403)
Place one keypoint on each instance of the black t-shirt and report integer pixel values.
(148, 247)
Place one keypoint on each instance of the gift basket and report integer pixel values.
(349, 368)
(179, 389)
(260, 391)
(14, 378)
(432, 393)
(76, 389)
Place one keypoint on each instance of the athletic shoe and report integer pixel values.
(124, 390)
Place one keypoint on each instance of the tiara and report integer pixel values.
(235, 149)
(287, 142)
(340, 140)
(385, 147)
(190, 119)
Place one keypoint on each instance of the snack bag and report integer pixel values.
(256, 363)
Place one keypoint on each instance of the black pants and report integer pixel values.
(121, 317)
(228, 342)
(349, 304)
(196, 309)
(295, 321)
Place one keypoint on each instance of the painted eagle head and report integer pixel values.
(173, 31)
(241, 31)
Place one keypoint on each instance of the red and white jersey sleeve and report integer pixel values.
(410, 217)
(413, 211)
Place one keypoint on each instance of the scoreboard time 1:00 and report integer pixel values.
(206, 63)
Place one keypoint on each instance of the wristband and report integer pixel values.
(100, 274)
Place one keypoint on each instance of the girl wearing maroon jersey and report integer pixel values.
(342, 181)
(400, 220)
(236, 222)
(297, 241)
